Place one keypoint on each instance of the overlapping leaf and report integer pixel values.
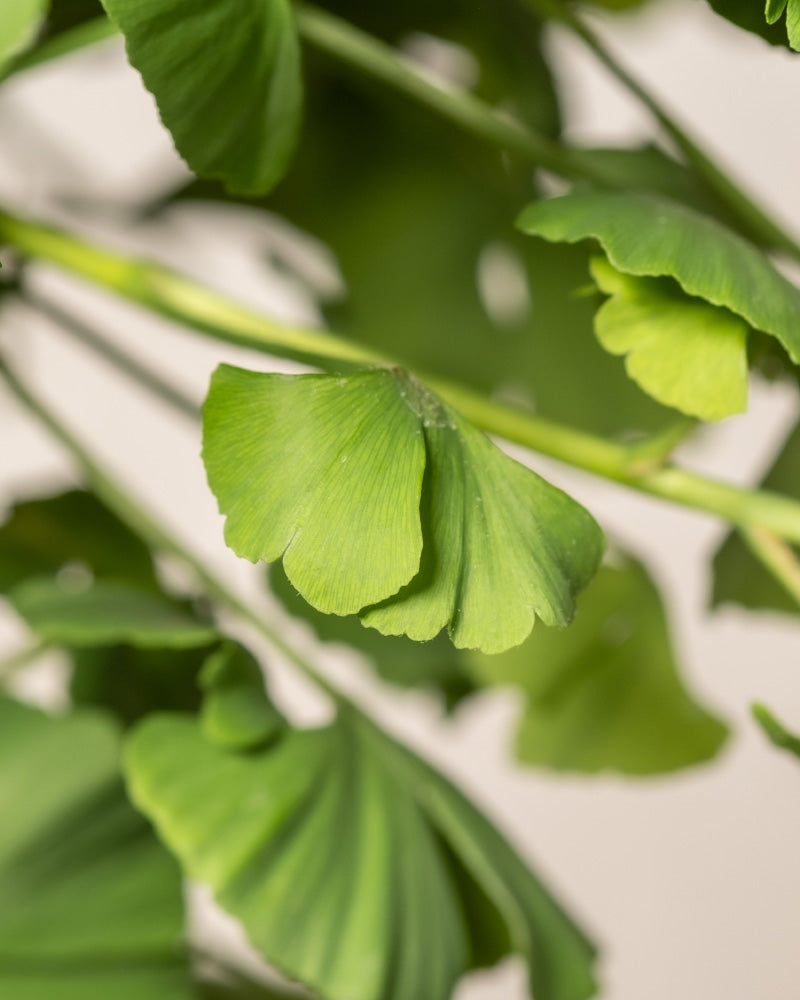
(740, 578)
(648, 236)
(764, 20)
(482, 548)
(605, 694)
(20, 21)
(226, 78)
(90, 903)
(352, 867)
(681, 350)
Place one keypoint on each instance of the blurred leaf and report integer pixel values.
(90, 903)
(649, 236)
(681, 350)
(776, 731)
(226, 78)
(237, 712)
(338, 855)
(752, 17)
(106, 613)
(397, 659)
(740, 578)
(50, 534)
(605, 694)
(67, 14)
(338, 496)
(20, 21)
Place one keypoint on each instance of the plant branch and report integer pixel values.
(176, 297)
(156, 536)
(776, 556)
(754, 218)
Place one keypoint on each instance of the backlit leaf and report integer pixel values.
(90, 903)
(20, 21)
(345, 867)
(338, 495)
(605, 693)
(226, 78)
(648, 236)
(106, 613)
(683, 351)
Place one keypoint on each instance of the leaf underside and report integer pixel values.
(226, 78)
(346, 870)
(682, 351)
(481, 545)
(648, 236)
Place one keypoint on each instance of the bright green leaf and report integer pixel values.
(749, 14)
(226, 78)
(777, 733)
(740, 578)
(773, 11)
(20, 21)
(682, 351)
(237, 714)
(90, 903)
(105, 613)
(605, 693)
(397, 659)
(345, 867)
(649, 236)
(338, 494)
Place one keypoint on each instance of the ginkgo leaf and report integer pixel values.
(345, 867)
(681, 350)
(226, 78)
(605, 694)
(90, 903)
(484, 544)
(107, 612)
(649, 236)
(20, 21)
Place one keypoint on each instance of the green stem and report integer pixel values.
(79, 37)
(776, 556)
(156, 536)
(120, 359)
(754, 219)
(21, 659)
(179, 298)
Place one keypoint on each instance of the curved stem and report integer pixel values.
(776, 556)
(754, 218)
(155, 535)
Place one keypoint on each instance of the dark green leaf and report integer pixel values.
(752, 16)
(681, 350)
(777, 733)
(237, 713)
(50, 534)
(106, 613)
(338, 495)
(341, 862)
(648, 236)
(20, 21)
(226, 78)
(605, 693)
(397, 659)
(740, 578)
(90, 903)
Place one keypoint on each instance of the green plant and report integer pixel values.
(392, 523)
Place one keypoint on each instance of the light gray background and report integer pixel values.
(689, 883)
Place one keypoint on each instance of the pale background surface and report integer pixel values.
(690, 883)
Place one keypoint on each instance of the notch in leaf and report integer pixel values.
(327, 471)
(226, 78)
(651, 237)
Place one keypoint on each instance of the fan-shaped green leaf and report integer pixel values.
(20, 21)
(237, 714)
(90, 903)
(105, 613)
(777, 733)
(341, 875)
(682, 351)
(226, 78)
(397, 659)
(338, 492)
(649, 236)
(605, 694)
